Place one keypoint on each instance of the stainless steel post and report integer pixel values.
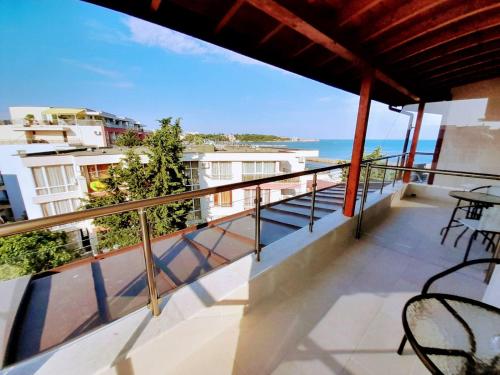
(383, 176)
(395, 173)
(363, 199)
(148, 259)
(313, 201)
(257, 222)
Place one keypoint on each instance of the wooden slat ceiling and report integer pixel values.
(417, 49)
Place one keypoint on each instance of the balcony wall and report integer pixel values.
(219, 292)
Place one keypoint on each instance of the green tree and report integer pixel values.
(376, 174)
(133, 180)
(36, 251)
(129, 138)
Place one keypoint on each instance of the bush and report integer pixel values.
(35, 251)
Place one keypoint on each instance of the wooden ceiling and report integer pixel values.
(417, 49)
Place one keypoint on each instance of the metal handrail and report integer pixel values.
(140, 205)
(370, 166)
(91, 213)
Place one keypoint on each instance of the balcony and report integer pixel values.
(317, 302)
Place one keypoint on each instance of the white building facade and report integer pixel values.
(75, 126)
(55, 182)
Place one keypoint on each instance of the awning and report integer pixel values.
(63, 111)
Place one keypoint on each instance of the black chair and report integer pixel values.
(472, 212)
(430, 281)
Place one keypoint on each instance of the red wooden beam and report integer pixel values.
(155, 4)
(283, 15)
(230, 13)
(399, 15)
(437, 21)
(414, 141)
(302, 50)
(269, 35)
(437, 152)
(449, 49)
(471, 54)
(359, 144)
(466, 28)
(353, 9)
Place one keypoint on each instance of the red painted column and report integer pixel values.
(437, 152)
(359, 144)
(414, 141)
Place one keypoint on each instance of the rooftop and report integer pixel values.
(90, 151)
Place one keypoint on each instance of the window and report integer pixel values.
(98, 171)
(60, 207)
(54, 179)
(258, 169)
(249, 196)
(192, 175)
(195, 212)
(224, 199)
(221, 170)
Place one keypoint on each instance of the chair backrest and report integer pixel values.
(494, 190)
(490, 219)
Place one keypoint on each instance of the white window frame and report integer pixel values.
(66, 186)
(52, 208)
(257, 175)
(220, 176)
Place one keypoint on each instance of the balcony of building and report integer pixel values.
(302, 285)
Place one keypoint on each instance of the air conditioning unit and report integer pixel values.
(97, 132)
(302, 159)
(205, 165)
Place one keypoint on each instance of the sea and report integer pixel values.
(340, 149)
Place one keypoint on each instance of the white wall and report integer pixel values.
(19, 180)
(19, 113)
(32, 201)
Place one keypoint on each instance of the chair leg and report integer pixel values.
(402, 345)
(452, 219)
(472, 237)
(460, 236)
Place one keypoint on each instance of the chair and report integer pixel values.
(471, 212)
(430, 281)
(488, 225)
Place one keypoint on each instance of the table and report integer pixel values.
(485, 199)
(480, 200)
(452, 334)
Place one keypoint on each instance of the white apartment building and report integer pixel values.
(74, 126)
(54, 182)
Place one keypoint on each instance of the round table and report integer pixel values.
(476, 197)
(453, 334)
(480, 200)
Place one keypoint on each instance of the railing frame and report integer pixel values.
(370, 166)
(141, 205)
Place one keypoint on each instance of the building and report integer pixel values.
(52, 182)
(55, 181)
(5, 207)
(317, 299)
(74, 126)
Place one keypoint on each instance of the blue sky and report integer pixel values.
(71, 53)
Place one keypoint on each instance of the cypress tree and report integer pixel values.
(166, 175)
(132, 180)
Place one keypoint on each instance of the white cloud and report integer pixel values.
(114, 76)
(92, 68)
(152, 35)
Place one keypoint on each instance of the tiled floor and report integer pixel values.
(346, 318)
